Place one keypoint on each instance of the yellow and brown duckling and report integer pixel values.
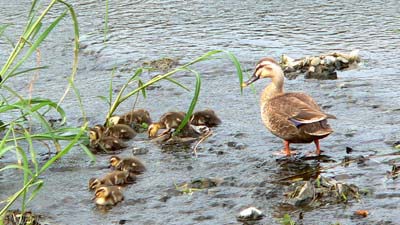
(131, 164)
(99, 142)
(122, 131)
(114, 178)
(168, 121)
(295, 117)
(206, 118)
(133, 118)
(108, 195)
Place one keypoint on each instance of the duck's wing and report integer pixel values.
(304, 98)
(296, 110)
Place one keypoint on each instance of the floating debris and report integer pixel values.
(361, 213)
(249, 214)
(163, 64)
(321, 191)
(394, 173)
(321, 67)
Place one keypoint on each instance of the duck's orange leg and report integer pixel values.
(286, 150)
(318, 150)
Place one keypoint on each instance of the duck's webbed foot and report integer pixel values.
(286, 151)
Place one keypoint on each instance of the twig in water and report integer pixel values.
(208, 134)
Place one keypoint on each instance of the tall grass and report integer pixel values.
(27, 112)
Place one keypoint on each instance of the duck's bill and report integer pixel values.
(250, 81)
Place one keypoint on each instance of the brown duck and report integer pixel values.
(294, 117)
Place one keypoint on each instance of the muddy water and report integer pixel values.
(366, 102)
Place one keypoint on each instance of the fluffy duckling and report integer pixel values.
(206, 118)
(99, 142)
(168, 121)
(114, 178)
(108, 195)
(122, 131)
(295, 117)
(134, 118)
(132, 164)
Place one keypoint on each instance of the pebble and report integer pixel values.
(251, 213)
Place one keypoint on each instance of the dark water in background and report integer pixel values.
(366, 102)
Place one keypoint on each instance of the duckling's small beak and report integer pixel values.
(251, 80)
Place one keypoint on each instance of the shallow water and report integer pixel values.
(366, 102)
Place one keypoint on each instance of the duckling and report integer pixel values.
(131, 164)
(294, 117)
(99, 142)
(205, 118)
(134, 118)
(108, 195)
(168, 121)
(122, 131)
(114, 178)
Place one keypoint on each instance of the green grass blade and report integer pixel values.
(238, 68)
(140, 83)
(3, 28)
(65, 150)
(177, 83)
(106, 22)
(31, 15)
(35, 45)
(38, 186)
(3, 147)
(119, 99)
(76, 48)
(16, 166)
(32, 152)
(104, 98)
(78, 96)
(88, 152)
(110, 89)
(193, 102)
(29, 70)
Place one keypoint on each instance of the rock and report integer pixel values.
(315, 61)
(139, 151)
(321, 67)
(203, 183)
(251, 213)
(303, 195)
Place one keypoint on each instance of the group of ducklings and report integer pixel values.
(108, 188)
(126, 126)
(123, 127)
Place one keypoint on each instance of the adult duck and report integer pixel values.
(295, 117)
